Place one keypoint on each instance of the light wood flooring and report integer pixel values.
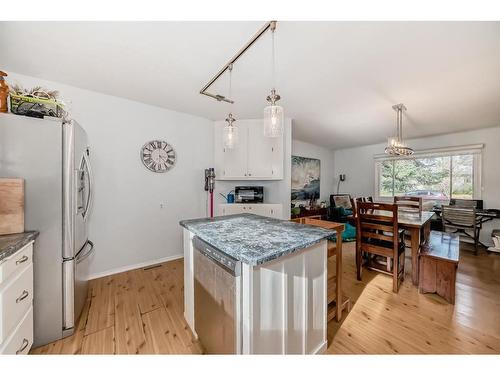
(141, 311)
(135, 312)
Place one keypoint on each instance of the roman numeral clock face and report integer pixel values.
(158, 156)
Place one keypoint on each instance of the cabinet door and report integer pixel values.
(232, 209)
(257, 209)
(260, 151)
(276, 211)
(231, 164)
(264, 154)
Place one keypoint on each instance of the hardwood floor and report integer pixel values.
(141, 311)
(135, 312)
(382, 322)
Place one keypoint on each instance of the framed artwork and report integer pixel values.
(305, 179)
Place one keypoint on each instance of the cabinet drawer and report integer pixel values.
(16, 298)
(16, 262)
(20, 341)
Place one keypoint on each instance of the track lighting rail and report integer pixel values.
(271, 25)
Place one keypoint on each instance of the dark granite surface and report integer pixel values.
(255, 239)
(10, 243)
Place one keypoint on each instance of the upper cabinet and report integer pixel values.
(255, 157)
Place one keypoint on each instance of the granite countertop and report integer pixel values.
(255, 239)
(10, 243)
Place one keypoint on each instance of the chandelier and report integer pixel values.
(396, 146)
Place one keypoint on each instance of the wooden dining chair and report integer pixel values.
(378, 235)
(409, 204)
(462, 220)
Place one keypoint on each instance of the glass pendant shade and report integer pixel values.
(274, 118)
(230, 136)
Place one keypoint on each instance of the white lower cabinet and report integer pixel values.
(263, 209)
(20, 341)
(16, 302)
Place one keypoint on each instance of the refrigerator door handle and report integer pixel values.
(90, 196)
(84, 254)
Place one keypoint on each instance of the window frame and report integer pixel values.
(477, 167)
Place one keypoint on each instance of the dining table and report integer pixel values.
(418, 224)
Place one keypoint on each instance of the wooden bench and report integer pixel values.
(438, 260)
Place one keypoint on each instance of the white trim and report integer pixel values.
(134, 266)
(321, 348)
(442, 151)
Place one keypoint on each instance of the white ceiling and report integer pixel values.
(338, 80)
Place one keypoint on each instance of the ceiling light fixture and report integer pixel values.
(241, 52)
(230, 133)
(273, 113)
(396, 146)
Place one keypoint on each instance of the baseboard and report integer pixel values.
(134, 266)
(321, 348)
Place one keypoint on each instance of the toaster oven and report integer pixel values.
(249, 194)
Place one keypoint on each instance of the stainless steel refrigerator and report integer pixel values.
(54, 159)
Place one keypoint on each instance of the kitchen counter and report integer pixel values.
(10, 243)
(274, 301)
(254, 239)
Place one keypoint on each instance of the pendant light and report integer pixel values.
(396, 146)
(230, 133)
(273, 113)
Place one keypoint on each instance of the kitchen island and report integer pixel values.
(256, 285)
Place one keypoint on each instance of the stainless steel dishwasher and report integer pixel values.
(217, 302)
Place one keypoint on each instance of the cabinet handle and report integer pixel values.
(23, 259)
(23, 346)
(249, 208)
(22, 296)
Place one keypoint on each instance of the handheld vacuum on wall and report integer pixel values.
(209, 187)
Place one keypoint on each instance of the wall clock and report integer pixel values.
(158, 156)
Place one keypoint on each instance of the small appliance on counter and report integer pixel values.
(249, 194)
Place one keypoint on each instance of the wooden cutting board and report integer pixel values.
(11, 205)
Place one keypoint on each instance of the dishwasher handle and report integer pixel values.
(228, 263)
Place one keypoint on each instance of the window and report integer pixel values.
(434, 174)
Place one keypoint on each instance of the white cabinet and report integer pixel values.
(255, 157)
(16, 302)
(262, 209)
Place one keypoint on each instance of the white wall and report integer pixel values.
(327, 173)
(358, 165)
(274, 191)
(128, 226)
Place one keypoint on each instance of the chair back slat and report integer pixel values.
(409, 204)
(376, 235)
(385, 228)
(454, 216)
